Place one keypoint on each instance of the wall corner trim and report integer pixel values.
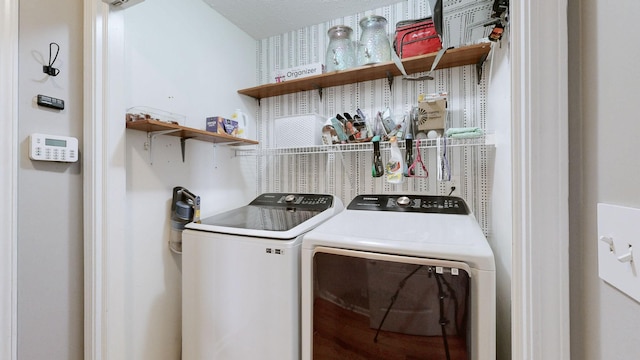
(8, 178)
(95, 307)
(540, 282)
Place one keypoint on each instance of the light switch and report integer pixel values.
(619, 248)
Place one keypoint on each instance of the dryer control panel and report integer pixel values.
(411, 203)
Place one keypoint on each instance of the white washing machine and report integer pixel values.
(241, 278)
(399, 277)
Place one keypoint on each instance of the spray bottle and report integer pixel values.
(395, 165)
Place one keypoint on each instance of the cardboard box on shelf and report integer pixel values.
(220, 125)
(432, 113)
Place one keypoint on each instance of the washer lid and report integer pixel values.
(397, 227)
(273, 215)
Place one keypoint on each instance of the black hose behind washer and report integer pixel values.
(443, 320)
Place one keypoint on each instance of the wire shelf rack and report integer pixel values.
(486, 140)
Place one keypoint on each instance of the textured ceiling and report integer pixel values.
(265, 18)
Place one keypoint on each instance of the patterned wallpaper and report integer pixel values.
(348, 173)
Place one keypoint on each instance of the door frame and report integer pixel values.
(540, 263)
(9, 154)
(104, 181)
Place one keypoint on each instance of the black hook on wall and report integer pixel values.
(49, 69)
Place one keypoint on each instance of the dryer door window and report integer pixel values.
(365, 307)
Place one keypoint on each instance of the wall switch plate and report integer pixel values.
(619, 248)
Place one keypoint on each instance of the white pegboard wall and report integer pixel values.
(348, 173)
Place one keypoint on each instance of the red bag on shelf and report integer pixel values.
(416, 37)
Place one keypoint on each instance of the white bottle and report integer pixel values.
(241, 118)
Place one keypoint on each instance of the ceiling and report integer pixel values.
(266, 18)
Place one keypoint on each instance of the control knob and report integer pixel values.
(403, 201)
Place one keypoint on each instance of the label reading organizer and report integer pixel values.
(53, 148)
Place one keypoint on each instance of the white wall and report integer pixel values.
(184, 58)
(50, 242)
(604, 126)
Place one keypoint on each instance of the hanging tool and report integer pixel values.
(408, 160)
(376, 168)
(416, 162)
(444, 171)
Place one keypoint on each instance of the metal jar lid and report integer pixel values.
(370, 19)
(339, 30)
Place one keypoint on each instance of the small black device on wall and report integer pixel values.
(122, 3)
(50, 102)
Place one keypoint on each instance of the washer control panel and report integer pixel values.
(411, 203)
(298, 201)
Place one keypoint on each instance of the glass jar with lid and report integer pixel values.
(374, 44)
(341, 53)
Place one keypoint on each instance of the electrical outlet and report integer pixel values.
(452, 187)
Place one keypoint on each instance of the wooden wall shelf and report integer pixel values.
(467, 55)
(183, 132)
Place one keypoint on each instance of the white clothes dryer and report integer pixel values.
(241, 278)
(399, 277)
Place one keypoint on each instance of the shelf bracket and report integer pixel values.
(149, 144)
(390, 81)
(182, 146)
(319, 88)
(152, 135)
(479, 66)
(214, 155)
(183, 141)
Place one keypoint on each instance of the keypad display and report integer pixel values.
(53, 148)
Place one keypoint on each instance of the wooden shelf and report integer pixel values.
(468, 55)
(183, 132)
